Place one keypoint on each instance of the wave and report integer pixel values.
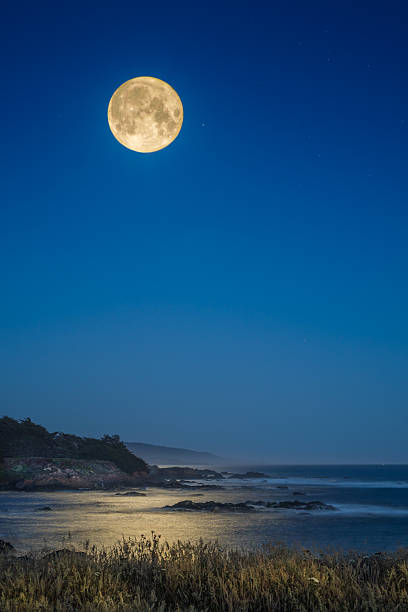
(317, 481)
(364, 510)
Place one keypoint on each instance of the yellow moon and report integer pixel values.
(145, 114)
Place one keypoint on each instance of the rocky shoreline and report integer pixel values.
(50, 474)
(44, 474)
(34, 459)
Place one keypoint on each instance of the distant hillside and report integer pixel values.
(166, 455)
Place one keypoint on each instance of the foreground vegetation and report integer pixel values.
(143, 574)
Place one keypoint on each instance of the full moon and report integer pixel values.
(145, 114)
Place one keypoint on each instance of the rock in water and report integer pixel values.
(247, 475)
(293, 505)
(210, 506)
(248, 506)
(131, 494)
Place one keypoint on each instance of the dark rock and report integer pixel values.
(317, 505)
(248, 475)
(65, 553)
(44, 509)
(26, 559)
(210, 506)
(21, 485)
(293, 505)
(183, 473)
(5, 547)
(131, 494)
(173, 484)
(299, 493)
(176, 484)
(282, 487)
(248, 506)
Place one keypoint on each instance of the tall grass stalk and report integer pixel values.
(145, 574)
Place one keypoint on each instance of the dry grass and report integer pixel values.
(144, 574)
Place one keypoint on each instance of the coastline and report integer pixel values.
(65, 473)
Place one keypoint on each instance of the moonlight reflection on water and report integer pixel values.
(104, 518)
(372, 512)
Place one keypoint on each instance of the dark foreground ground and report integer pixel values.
(144, 574)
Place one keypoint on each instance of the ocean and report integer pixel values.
(371, 512)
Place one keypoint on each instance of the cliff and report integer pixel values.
(33, 458)
(23, 439)
(41, 473)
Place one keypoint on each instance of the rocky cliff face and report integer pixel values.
(44, 473)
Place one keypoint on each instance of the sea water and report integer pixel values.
(371, 512)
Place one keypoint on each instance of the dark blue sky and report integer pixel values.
(243, 290)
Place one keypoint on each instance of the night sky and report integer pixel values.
(242, 291)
